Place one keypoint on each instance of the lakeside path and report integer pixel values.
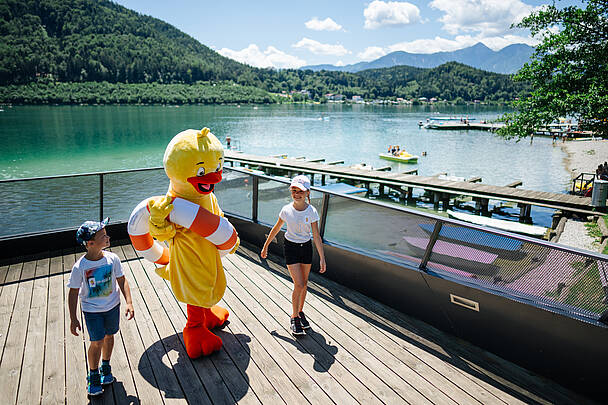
(583, 157)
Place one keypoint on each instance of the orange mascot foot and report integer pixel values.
(198, 339)
(215, 316)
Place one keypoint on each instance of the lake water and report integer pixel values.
(38, 141)
(50, 140)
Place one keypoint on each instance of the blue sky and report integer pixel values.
(290, 34)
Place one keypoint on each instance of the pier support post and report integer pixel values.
(445, 201)
(380, 190)
(436, 198)
(481, 205)
(322, 179)
(525, 211)
(410, 194)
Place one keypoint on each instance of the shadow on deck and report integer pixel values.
(358, 350)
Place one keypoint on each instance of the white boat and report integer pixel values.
(344, 188)
(402, 157)
(510, 226)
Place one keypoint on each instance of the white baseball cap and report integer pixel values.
(302, 182)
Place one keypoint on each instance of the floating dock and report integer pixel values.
(404, 183)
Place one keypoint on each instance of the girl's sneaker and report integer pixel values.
(94, 387)
(296, 327)
(304, 322)
(106, 374)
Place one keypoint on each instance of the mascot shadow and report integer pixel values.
(323, 352)
(166, 366)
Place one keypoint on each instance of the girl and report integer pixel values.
(300, 218)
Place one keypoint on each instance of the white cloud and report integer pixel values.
(439, 44)
(372, 53)
(322, 25)
(392, 13)
(271, 57)
(339, 63)
(321, 49)
(486, 17)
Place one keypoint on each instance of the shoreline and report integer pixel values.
(584, 156)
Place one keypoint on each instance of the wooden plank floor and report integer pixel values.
(358, 350)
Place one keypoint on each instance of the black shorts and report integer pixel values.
(297, 252)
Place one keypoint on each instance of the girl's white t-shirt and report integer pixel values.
(97, 282)
(298, 222)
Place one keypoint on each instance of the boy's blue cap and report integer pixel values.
(87, 230)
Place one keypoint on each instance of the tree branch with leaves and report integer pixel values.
(568, 72)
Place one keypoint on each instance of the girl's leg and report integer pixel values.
(299, 285)
(305, 272)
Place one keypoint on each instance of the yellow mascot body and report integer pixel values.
(191, 221)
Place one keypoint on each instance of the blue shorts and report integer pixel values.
(100, 324)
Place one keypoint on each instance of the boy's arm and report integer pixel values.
(126, 292)
(72, 304)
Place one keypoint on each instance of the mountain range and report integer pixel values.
(507, 60)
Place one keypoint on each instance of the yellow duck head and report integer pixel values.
(193, 162)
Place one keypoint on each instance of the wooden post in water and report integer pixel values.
(445, 201)
(436, 198)
(410, 194)
(481, 205)
(322, 179)
(525, 213)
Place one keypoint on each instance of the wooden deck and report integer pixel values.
(559, 201)
(358, 351)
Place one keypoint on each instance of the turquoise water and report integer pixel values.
(51, 140)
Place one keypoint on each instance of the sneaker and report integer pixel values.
(106, 374)
(94, 387)
(304, 322)
(296, 327)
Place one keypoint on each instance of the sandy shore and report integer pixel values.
(585, 156)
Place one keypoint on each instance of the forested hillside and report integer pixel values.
(79, 42)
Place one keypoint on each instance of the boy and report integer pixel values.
(94, 278)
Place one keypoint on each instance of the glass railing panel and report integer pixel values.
(379, 230)
(519, 267)
(123, 191)
(235, 193)
(273, 195)
(33, 206)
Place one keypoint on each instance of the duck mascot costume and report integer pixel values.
(191, 222)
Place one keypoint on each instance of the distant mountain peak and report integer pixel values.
(507, 60)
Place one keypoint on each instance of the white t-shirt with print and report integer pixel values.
(298, 222)
(97, 282)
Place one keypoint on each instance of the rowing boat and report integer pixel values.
(510, 226)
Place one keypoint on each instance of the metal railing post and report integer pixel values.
(429, 247)
(254, 199)
(101, 196)
(324, 215)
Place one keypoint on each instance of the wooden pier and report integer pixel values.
(358, 350)
(404, 183)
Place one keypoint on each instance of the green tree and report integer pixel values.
(568, 71)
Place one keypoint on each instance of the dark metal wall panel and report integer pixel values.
(399, 287)
(570, 351)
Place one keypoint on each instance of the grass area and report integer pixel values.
(595, 232)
